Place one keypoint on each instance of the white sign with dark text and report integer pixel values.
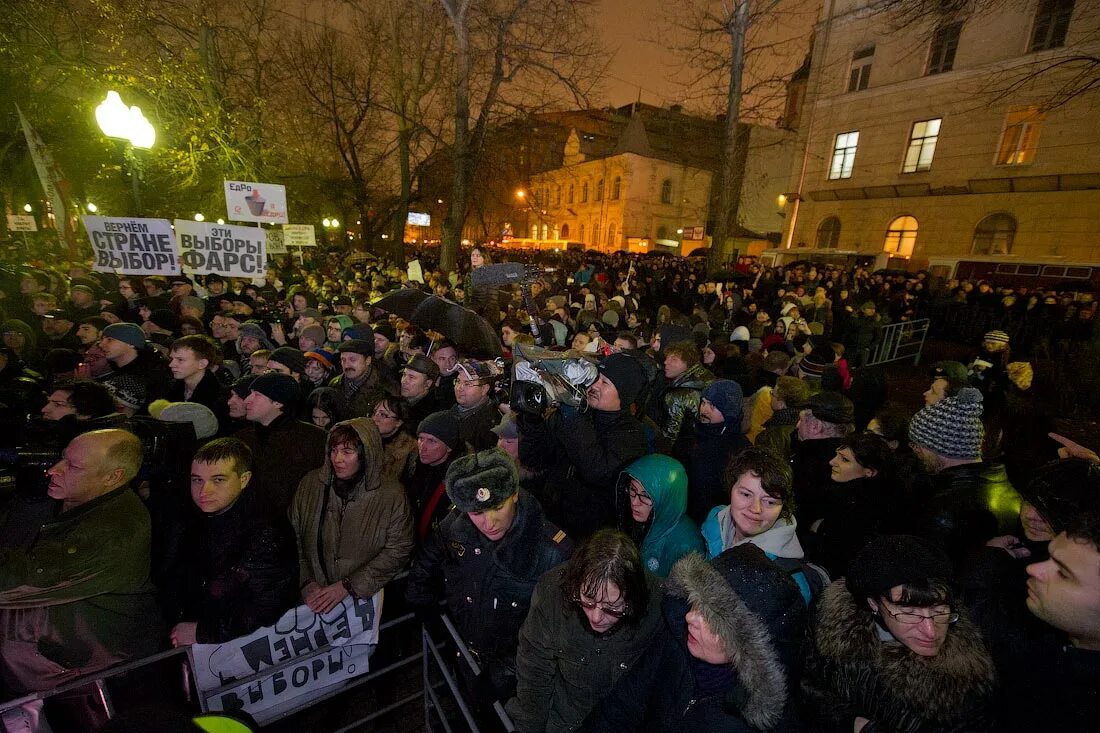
(20, 223)
(132, 246)
(259, 202)
(222, 249)
(300, 235)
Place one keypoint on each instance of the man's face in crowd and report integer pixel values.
(217, 328)
(494, 523)
(236, 405)
(621, 345)
(580, 341)
(925, 637)
(333, 331)
(468, 392)
(1064, 590)
(81, 298)
(261, 408)
(215, 288)
(507, 335)
(216, 486)
(40, 306)
(603, 395)
(181, 290)
(249, 344)
(1035, 527)
(87, 333)
(709, 414)
(231, 329)
(56, 327)
(82, 474)
(360, 313)
(58, 405)
(936, 392)
(381, 343)
(674, 366)
(509, 446)
(28, 285)
(355, 366)
(257, 365)
(432, 450)
(114, 349)
(306, 343)
(414, 384)
(186, 363)
(445, 358)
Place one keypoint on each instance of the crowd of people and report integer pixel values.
(736, 521)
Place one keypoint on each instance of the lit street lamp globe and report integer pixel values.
(27, 208)
(200, 217)
(92, 208)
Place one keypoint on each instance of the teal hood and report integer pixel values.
(671, 533)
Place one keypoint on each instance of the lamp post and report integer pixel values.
(129, 125)
(532, 203)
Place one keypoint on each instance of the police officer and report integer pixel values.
(484, 560)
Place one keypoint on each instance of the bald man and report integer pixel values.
(75, 595)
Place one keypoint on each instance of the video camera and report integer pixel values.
(542, 379)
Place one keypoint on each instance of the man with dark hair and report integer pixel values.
(82, 399)
(90, 331)
(685, 378)
(445, 355)
(75, 596)
(240, 561)
(625, 341)
(193, 358)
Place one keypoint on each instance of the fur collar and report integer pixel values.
(887, 678)
(744, 635)
(520, 549)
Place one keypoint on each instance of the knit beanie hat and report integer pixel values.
(293, 359)
(316, 334)
(442, 425)
(127, 333)
(356, 346)
(166, 319)
(200, 417)
(256, 331)
(952, 427)
(243, 386)
(277, 387)
(726, 395)
(385, 330)
(999, 337)
(741, 333)
(891, 560)
(361, 332)
(670, 334)
(325, 358)
(831, 407)
(626, 374)
(481, 481)
(814, 363)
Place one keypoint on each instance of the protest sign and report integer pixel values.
(223, 249)
(286, 665)
(276, 242)
(261, 202)
(415, 271)
(20, 223)
(132, 246)
(299, 235)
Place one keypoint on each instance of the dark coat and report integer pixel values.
(583, 454)
(855, 513)
(705, 456)
(487, 585)
(813, 477)
(563, 668)
(282, 454)
(209, 392)
(352, 402)
(679, 401)
(241, 570)
(850, 672)
(475, 425)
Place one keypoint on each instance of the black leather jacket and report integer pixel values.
(968, 505)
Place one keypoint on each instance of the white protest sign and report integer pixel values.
(20, 223)
(223, 249)
(299, 658)
(415, 271)
(130, 246)
(300, 235)
(276, 242)
(262, 202)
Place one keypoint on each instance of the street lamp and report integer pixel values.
(28, 208)
(326, 222)
(92, 208)
(128, 124)
(200, 217)
(221, 221)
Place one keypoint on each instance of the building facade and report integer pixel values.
(951, 136)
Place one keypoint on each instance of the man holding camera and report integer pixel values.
(584, 451)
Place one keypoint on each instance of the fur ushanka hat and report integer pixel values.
(481, 481)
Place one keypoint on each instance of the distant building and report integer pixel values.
(947, 138)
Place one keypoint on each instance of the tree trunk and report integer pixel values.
(460, 152)
(731, 162)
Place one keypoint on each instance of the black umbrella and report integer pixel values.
(472, 333)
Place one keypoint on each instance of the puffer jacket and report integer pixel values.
(671, 534)
(757, 613)
(367, 538)
(563, 668)
(851, 672)
(680, 400)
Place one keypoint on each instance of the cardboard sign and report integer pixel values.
(276, 242)
(130, 246)
(224, 249)
(302, 656)
(260, 202)
(20, 223)
(300, 235)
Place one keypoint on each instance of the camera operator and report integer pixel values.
(584, 452)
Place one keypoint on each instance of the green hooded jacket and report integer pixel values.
(671, 533)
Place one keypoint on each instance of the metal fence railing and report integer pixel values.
(900, 341)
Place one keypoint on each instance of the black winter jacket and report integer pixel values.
(705, 455)
(282, 454)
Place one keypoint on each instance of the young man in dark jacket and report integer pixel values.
(715, 439)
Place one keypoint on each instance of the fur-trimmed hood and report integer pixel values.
(758, 613)
(887, 682)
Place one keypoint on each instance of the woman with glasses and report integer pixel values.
(656, 488)
(390, 415)
(892, 650)
(590, 619)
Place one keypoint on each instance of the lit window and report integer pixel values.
(599, 190)
(860, 75)
(844, 155)
(922, 145)
(616, 188)
(1020, 138)
(1051, 24)
(584, 192)
(994, 235)
(828, 233)
(666, 191)
(945, 43)
(901, 236)
(582, 233)
(565, 231)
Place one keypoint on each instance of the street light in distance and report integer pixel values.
(200, 217)
(92, 208)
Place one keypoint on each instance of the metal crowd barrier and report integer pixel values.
(900, 341)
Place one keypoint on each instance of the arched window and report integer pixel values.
(666, 191)
(570, 197)
(565, 231)
(828, 233)
(616, 188)
(994, 235)
(901, 235)
(545, 231)
(599, 190)
(584, 192)
(611, 237)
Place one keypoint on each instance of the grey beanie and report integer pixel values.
(952, 427)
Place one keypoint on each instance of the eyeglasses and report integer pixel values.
(910, 619)
(593, 605)
(640, 496)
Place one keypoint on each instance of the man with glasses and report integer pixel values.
(891, 649)
(484, 560)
